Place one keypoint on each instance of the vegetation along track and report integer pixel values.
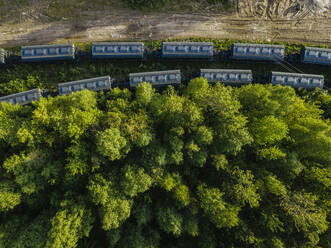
(23, 76)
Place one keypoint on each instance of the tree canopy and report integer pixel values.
(201, 166)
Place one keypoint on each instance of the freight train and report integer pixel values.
(171, 50)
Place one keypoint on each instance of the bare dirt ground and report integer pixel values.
(307, 21)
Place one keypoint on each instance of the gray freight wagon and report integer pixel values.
(315, 55)
(94, 84)
(3, 55)
(157, 78)
(48, 52)
(296, 80)
(118, 50)
(24, 97)
(196, 50)
(265, 52)
(227, 76)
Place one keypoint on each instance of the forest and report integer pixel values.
(195, 166)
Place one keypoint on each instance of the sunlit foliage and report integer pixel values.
(201, 166)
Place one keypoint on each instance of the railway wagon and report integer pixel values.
(157, 78)
(3, 54)
(94, 84)
(227, 76)
(196, 50)
(296, 80)
(48, 52)
(315, 55)
(23, 98)
(265, 52)
(118, 50)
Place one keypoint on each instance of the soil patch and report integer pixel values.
(307, 21)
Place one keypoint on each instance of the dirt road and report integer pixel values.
(253, 20)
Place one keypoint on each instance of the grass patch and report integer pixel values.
(11, 8)
(178, 5)
(84, 46)
(221, 45)
(72, 8)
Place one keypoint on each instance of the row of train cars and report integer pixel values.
(175, 50)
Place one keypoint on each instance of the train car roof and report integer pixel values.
(317, 49)
(84, 80)
(47, 46)
(20, 93)
(124, 43)
(296, 74)
(226, 70)
(188, 43)
(258, 45)
(153, 73)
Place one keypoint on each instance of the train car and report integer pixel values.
(48, 52)
(265, 52)
(118, 50)
(315, 55)
(157, 78)
(296, 80)
(227, 76)
(3, 55)
(23, 97)
(94, 84)
(196, 50)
